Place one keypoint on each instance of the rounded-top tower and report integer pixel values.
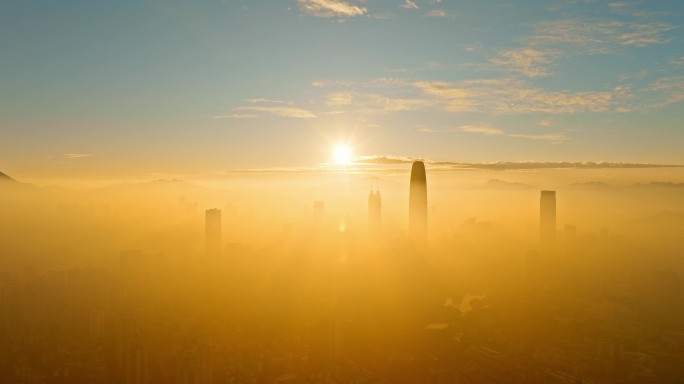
(418, 202)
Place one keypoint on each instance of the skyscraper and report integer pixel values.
(374, 213)
(418, 202)
(547, 221)
(213, 232)
(318, 211)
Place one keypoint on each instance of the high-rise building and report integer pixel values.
(374, 213)
(318, 209)
(418, 202)
(213, 232)
(547, 220)
(135, 270)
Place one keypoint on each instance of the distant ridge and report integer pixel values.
(591, 184)
(4, 177)
(656, 185)
(660, 184)
(501, 184)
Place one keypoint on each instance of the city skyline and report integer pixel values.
(184, 191)
(315, 295)
(214, 87)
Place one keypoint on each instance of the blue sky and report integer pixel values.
(146, 87)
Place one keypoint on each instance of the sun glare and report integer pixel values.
(343, 155)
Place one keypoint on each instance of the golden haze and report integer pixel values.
(301, 288)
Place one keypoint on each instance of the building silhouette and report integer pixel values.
(547, 221)
(418, 202)
(318, 210)
(374, 213)
(213, 232)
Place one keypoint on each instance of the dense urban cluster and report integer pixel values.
(331, 302)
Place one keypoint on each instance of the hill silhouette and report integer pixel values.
(5, 178)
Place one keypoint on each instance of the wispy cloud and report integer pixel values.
(483, 130)
(556, 137)
(267, 106)
(408, 4)
(401, 164)
(457, 98)
(331, 83)
(437, 13)
(472, 47)
(642, 35)
(434, 130)
(509, 165)
(382, 16)
(599, 36)
(331, 8)
(554, 39)
(234, 116)
(340, 99)
(509, 96)
(519, 165)
(429, 66)
(630, 9)
(289, 112)
(553, 137)
(375, 83)
(497, 96)
(388, 159)
(528, 61)
(374, 103)
(666, 91)
(75, 155)
(265, 101)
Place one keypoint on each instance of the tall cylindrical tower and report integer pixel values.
(418, 202)
(547, 221)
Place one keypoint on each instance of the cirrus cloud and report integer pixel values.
(234, 116)
(509, 165)
(330, 8)
(509, 96)
(528, 61)
(436, 13)
(483, 130)
(408, 4)
(290, 112)
(75, 155)
(374, 103)
(599, 36)
(552, 137)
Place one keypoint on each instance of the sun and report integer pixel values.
(343, 155)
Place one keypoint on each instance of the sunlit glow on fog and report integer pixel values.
(342, 191)
(319, 267)
(342, 155)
